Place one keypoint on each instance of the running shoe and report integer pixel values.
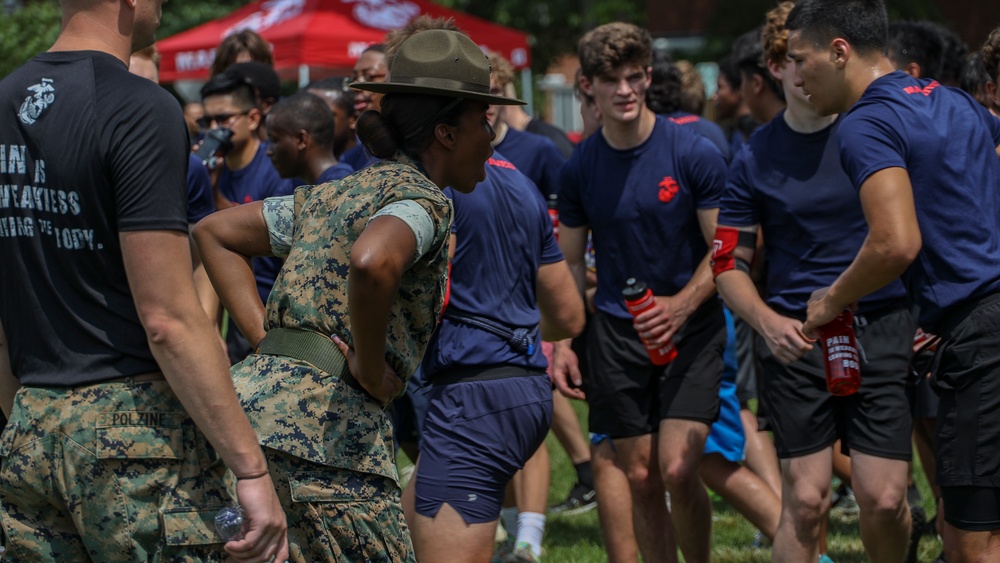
(580, 499)
(522, 554)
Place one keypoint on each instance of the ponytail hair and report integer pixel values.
(403, 123)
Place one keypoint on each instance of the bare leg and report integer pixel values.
(805, 503)
(614, 505)
(923, 437)
(962, 546)
(841, 465)
(744, 490)
(531, 484)
(446, 536)
(760, 454)
(880, 488)
(566, 427)
(681, 447)
(638, 457)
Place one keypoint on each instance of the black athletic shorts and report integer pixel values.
(967, 378)
(973, 509)
(746, 362)
(629, 396)
(876, 420)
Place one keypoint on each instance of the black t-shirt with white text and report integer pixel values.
(87, 150)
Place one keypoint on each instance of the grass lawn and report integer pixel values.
(577, 539)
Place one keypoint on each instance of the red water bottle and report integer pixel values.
(840, 355)
(639, 299)
(554, 214)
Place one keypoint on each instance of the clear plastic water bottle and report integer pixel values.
(229, 523)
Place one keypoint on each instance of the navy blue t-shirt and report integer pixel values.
(200, 200)
(335, 172)
(708, 129)
(793, 186)
(535, 156)
(356, 157)
(503, 234)
(254, 182)
(946, 141)
(640, 204)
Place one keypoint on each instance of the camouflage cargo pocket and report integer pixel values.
(190, 535)
(361, 513)
(140, 435)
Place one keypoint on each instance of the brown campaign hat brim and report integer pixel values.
(437, 87)
(439, 62)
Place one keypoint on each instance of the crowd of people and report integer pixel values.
(254, 301)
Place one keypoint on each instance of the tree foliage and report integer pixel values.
(553, 26)
(33, 28)
(27, 31)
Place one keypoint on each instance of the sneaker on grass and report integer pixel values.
(580, 499)
(522, 554)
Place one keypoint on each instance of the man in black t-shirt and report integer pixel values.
(116, 369)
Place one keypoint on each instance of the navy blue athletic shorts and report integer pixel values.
(476, 435)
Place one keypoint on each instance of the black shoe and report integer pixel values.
(918, 520)
(580, 499)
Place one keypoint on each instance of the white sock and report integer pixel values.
(530, 529)
(508, 515)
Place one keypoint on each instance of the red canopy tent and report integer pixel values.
(322, 34)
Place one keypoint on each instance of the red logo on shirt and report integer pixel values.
(926, 90)
(501, 164)
(685, 120)
(247, 199)
(668, 189)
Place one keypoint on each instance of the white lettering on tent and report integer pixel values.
(188, 61)
(355, 48)
(384, 14)
(271, 14)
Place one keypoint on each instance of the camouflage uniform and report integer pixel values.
(109, 472)
(328, 443)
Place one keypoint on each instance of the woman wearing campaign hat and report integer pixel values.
(356, 301)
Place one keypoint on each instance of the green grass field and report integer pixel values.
(577, 539)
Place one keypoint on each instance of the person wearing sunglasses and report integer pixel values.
(245, 174)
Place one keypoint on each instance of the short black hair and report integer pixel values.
(259, 75)
(974, 75)
(303, 111)
(913, 42)
(731, 72)
(748, 53)
(341, 95)
(953, 53)
(664, 94)
(863, 23)
(231, 85)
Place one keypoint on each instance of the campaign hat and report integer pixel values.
(439, 62)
